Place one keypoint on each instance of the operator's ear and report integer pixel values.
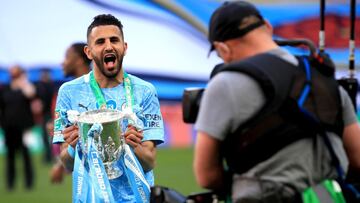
(269, 26)
(223, 51)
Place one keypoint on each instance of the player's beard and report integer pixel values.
(109, 74)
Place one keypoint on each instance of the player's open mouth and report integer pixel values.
(109, 60)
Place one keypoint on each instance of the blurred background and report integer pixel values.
(167, 46)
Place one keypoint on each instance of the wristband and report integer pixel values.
(71, 151)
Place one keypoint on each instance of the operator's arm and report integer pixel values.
(217, 118)
(351, 133)
(208, 166)
(351, 138)
(144, 151)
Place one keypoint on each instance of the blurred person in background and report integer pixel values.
(272, 151)
(45, 88)
(16, 117)
(75, 64)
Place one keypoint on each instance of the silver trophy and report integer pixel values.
(109, 143)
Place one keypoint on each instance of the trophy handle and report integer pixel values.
(132, 118)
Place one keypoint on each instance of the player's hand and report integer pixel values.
(71, 135)
(132, 136)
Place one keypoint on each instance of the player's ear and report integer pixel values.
(87, 52)
(125, 48)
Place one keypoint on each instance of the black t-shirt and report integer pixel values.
(15, 109)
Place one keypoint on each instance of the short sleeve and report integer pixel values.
(229, 100)
(62, 105)
(153, 120)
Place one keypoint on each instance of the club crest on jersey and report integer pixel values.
(110, 104)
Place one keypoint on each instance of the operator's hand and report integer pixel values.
(132, 136)
(71, 135)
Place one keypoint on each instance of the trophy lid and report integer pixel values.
(100, 116)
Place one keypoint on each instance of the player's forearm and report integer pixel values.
(146, 156)
(67, 160)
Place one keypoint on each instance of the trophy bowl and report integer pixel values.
(109, 143)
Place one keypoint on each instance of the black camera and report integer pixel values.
(192, 97)
(191, 103)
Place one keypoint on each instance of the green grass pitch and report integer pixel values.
(173, 170)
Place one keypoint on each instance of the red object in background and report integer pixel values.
(337, 30)
(179, 134)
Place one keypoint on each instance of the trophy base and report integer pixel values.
(112, 171)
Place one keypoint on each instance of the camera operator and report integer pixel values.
(271, 154)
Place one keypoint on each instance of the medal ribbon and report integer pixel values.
(100, 97)
(133, 169)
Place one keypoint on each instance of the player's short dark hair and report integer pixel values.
(105, 19)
